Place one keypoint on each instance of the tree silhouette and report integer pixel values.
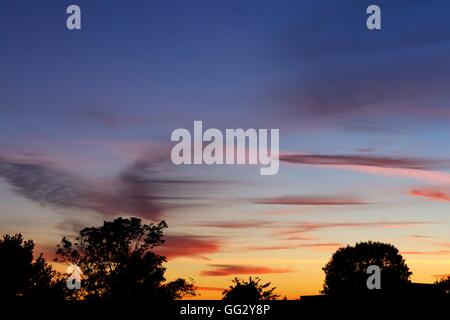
(118, 263)
(249, 291)
(345, 273)
(23, 278)
(444, 284)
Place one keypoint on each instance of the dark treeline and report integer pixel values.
(118, 265)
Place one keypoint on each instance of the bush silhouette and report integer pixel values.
(345, 273)
(118, 263)
(248, 291)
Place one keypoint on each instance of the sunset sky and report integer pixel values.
(86, 118)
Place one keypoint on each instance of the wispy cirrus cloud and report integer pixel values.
(404, 167)
(298, 228)
(269, 248)
(315, 246)
(54, 187)
(419, 237)
(226, 270)
(102, 116)
(138, 190)
(326, 246)
(330, 91)
(432, 252)
(42, 183)
(314, 226)
(422, 175)
(431, 241)
(364, 160)
(300, 238)
(312, 200)
(242, 224)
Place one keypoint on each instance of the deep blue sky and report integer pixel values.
(169, 62)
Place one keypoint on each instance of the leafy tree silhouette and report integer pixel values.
(444, 285)
(118, 263)
(345, 273)
(24, 279)
(249, 291)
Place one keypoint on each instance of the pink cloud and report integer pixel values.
(403, 167)
(430, 194)
(188, 246)
(416, 174)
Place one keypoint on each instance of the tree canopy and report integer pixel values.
(345, 273)
(444, 284)
(118, 263)
(249, 291)
(24, 277)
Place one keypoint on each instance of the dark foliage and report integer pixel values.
(118, 264)
(249, 291)
(345, 273)
(25, 278)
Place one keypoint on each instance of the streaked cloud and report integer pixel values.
(419, 237)
(432, 252)
(312, 200)
(338, 87)
(300, 238)
(364, 160)
(227, 270)
(403, 167)
(42, 183)
(288, 228)
(269, 248)
(315, 226)
(242, 224)
(138, 190)
(430, 194)
(322, 246)
(315, 246)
